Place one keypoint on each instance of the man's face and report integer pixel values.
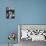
(10, 13)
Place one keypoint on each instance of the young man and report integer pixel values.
(10, 13)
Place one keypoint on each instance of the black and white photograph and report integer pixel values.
(31, 34)
(10, 13)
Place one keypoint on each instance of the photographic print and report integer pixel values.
(10, 13)
(31, 33)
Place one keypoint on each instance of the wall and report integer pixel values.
(31, 11)
(27, 12)
(6, 25)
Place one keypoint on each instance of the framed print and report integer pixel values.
(32, 32)
(10, 13)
